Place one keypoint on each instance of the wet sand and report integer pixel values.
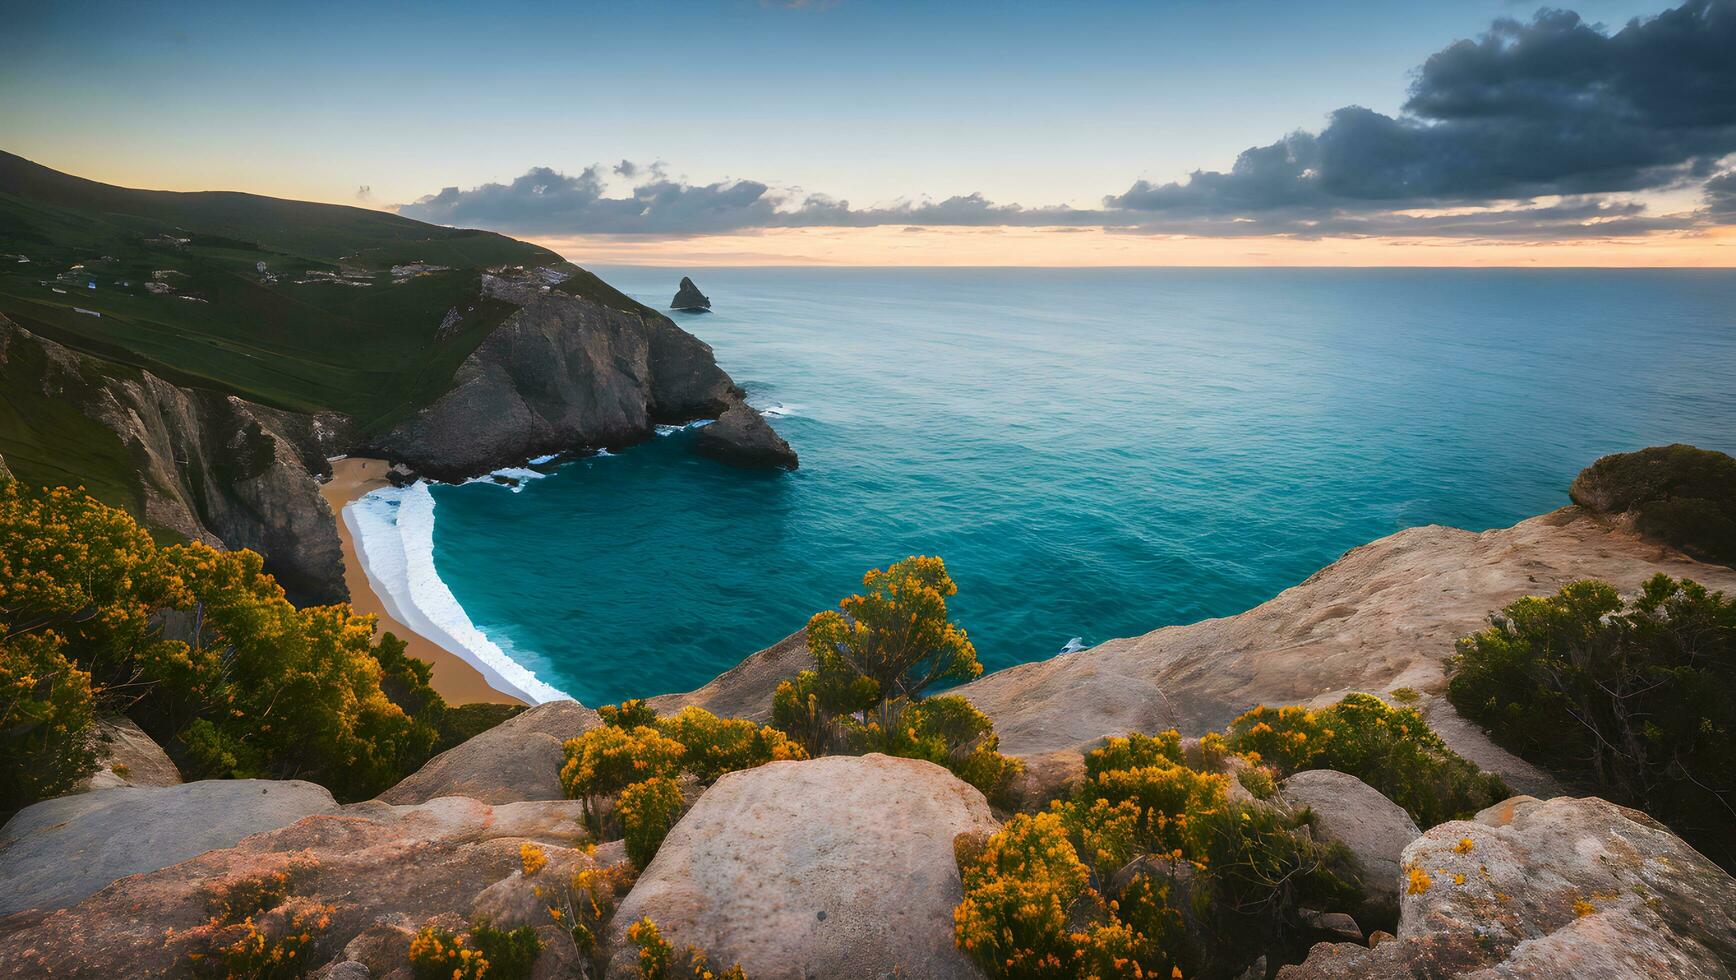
(457, 681)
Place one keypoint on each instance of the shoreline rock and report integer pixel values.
(742, 437)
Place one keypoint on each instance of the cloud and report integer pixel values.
(1552, 107)
(1546, 129)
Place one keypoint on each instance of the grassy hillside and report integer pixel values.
(176, 280)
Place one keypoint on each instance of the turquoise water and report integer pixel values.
(1094, 453)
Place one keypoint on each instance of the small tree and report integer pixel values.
(896, 634)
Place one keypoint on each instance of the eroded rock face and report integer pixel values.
(745, 690)
(560, 373)
(212, 468)
(519, 759)
(689, 298)
(1680, 495)
(1375, 829)
(742, 437)
(1565, 888)
(54, 853)
(383, 870)
(1384, 616)
(126, 756)
(834, 867)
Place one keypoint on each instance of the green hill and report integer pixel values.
(176, 280)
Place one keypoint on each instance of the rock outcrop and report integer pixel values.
(56, 852)
(210, 467)
(560, 373)
(1568, 888)
(1384, 616)
(689, 298)
(126, 756)
(835, 867)
(1374, 829)
(742, 437)
(381, 871)
(517, 760)
(745, 690)
(1679, 495)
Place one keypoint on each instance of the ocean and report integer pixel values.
(1095, 453)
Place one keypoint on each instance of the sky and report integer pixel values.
(1223, 132)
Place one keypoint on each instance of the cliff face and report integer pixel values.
(210, 467)
(562, 372)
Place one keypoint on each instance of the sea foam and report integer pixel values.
(393, 529)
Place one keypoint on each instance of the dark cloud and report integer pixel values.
(1551, 107)
(1535, 130)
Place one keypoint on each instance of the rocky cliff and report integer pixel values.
(565, 371)
(209, 467)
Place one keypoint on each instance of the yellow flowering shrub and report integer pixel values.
(584, 905)
(440, 954)
(713, 746)
(1167, 797)
(659, 960)
(280, 950)
(1137, 751)
(45, 717)
(1391, 749)
(606, 760)
(220, 667)
(628, 714)
(531, 858)
(648, 810)
(1019, 888)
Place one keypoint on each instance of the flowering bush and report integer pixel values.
(1019, 888)
(713, 746)
(45, 718)
(648, 811)
(659, 960)
(628, 714)
(278, 951)
(440, 954)
(1390, 749)
(606, 760)
(217, 665)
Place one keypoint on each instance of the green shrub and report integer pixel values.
(210, 657)
(648, 811)
(948, 731)
(510, 954)
(1637, 698)
(45, 721)
(606, 760)
(628, 714)
(1019, 889)
(1136, 751)
(1390, 749)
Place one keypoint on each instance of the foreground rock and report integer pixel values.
(745, 690)
(126, 756)
(1375, 830)
(1384, 616)
(1568, 888)
(689, 298)
(1679, 495)
(56, 852)
(384, 871)
(836, 867)
(742, 437)
(519, 759)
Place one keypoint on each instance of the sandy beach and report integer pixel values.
(458, 682)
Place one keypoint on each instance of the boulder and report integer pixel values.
(1564, 888)
(126, 756)
(745, 690)
(519, 759)
(54, 853)
(1047, 776)
(1374, 829)
(742, 437)
(689, 298)
(834, 867)
(1680, 495)
(381, 871)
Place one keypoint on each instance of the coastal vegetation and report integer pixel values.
(876, 656)
(1634, 698)
(1173, 858)
(200, 648)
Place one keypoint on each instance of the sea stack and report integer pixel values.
(690, 299)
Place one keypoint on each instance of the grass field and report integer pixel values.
(297, 337)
